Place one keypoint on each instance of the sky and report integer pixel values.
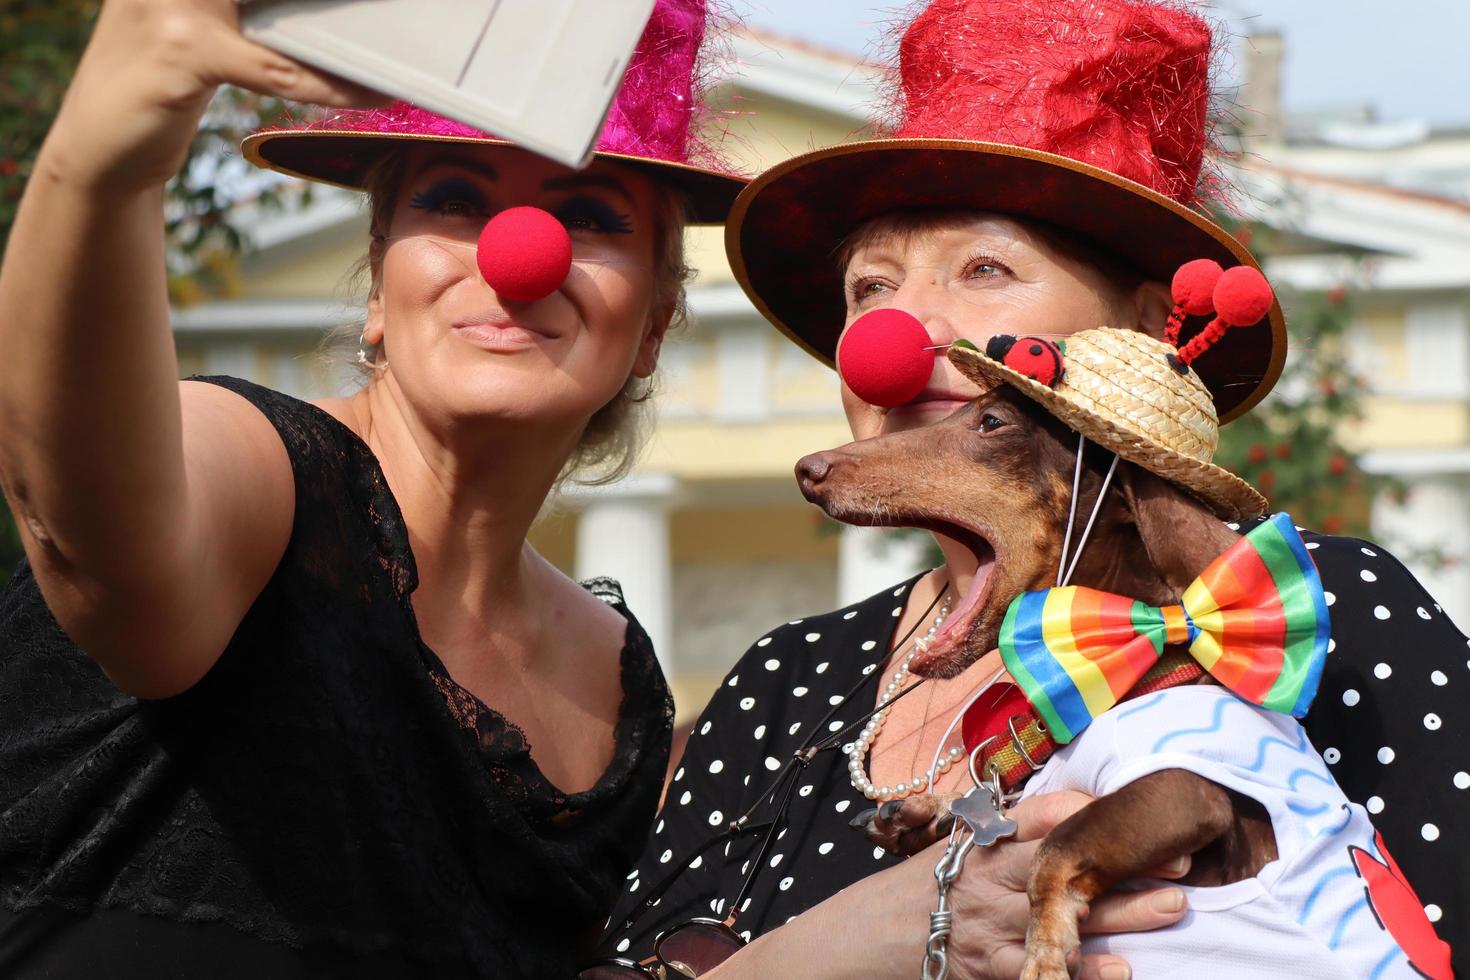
(1414, 65)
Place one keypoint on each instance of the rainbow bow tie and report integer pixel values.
(1256, 619)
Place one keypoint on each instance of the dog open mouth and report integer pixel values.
(965, 635)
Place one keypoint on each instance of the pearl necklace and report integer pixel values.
(858, 751)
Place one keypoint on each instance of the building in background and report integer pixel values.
(710, 537)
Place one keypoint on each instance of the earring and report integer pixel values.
(362, 357)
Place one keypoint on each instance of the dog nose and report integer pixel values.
(811, 471)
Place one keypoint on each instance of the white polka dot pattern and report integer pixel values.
(1388, 720)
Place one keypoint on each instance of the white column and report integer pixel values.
(869, 559)
(742, 362)
(623, 533)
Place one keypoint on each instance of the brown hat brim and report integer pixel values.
(1230, 497)
(786, 227)
(344, 157)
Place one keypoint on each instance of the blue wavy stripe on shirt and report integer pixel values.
(1214, 726)
(1383, 963)
(1305, 773)
(1308, 811)
(1136, 706)
(1347, 916)
(1347, 818)
(1317, 889)
(1270, 740)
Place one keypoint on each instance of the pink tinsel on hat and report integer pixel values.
(653, 115)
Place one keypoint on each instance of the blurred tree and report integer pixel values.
(1290, 446)
(40, 43)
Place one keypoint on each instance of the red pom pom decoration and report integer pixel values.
(1193, 288)
(882, 357)
(524, 254)
(1242, 296)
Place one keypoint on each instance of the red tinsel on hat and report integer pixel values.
(1123, 85)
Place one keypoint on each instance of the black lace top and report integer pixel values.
(326, 801)
(1389, 719)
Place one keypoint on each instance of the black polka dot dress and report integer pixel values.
(1389, 719)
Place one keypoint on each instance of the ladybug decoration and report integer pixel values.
(1036, 357)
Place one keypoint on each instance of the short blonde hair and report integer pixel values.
(615, 433)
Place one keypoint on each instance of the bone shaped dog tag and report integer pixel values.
(983, 817)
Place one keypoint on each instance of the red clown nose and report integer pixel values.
(883, 359)
(524, 254)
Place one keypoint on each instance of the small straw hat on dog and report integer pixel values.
(1125, 391)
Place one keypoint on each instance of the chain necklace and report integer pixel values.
(858, 751)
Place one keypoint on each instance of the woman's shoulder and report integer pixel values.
(313, 436)
(1376, 583)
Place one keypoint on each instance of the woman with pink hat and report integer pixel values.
(285, 690)
(1043, 177)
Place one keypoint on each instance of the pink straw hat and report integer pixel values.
(651, 126)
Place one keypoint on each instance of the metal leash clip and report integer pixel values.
(980, 818)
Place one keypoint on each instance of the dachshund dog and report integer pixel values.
(997, 476)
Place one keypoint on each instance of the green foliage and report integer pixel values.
(1290, 445)
(40, 44)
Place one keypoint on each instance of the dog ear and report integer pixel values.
(1180, 535)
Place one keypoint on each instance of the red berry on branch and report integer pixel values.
(1283, 450)
(1337, 465)
(1332, 524)
(1336, 296)
(1256, 453)
(8, 167)
(1267, 480)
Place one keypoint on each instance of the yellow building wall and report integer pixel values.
(312, 274)
(1382, 330)
(707, 450)
(1391, 423)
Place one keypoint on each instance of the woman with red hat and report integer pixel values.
(1044, 176)
(285, 690)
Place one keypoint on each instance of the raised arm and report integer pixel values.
(153, 513)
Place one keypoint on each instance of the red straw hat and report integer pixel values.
(650, 126)
(1089, 115)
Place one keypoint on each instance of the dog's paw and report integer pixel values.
(1051, 966)
(1053, 941)
(908, 826)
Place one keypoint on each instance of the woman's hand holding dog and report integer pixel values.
(879, 926)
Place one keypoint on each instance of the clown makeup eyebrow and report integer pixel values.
(462, 161)
(581, 181)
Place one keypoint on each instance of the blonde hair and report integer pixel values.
(615, 433)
